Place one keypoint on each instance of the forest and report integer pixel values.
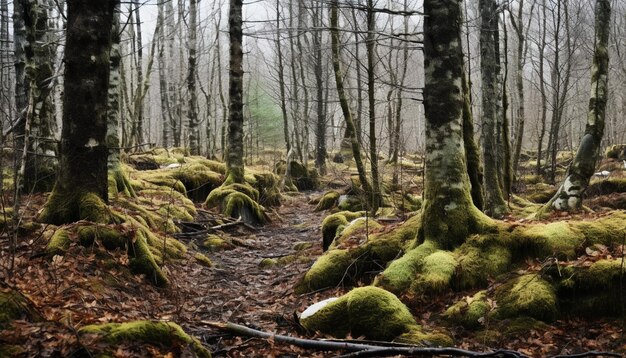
(345, 178)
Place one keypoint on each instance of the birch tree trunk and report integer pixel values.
(81, 187)
(569, 195)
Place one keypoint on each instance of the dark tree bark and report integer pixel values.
(320, 125)
(192, 110)
(80, 191)
(494, 201)
(234, 156)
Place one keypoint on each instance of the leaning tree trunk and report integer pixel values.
(40, 147)
(569, 195)
(343, 99)
(495, 205)
(81, 187)
(449, 215)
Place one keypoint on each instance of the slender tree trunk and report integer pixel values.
(295, 93)
(494, 202)
(371, 75)
(303, 79)
(343, 99)
(358, 124)
(542, 90)
(163, 79)
(21, 85)
(320, 126)
(81, 187)
(234, 157)
(194, 132)
(569, 195)
(281, 80)
(507, 175)
(40, 147)
(139, 66)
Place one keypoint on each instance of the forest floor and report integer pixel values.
(78, 289)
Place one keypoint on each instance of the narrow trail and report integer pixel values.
(238, 289)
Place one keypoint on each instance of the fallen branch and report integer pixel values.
(359, 350)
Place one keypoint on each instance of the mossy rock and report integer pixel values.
(410, 202)
(469, 312)
(606, 186)
(351, 203)
(14, 306)
(528, 295)
(302, 245)
(540, 193)
(332, 224)
(366, 311)
(362, 227)
(216, 243)
(327, 201)
(165, 335)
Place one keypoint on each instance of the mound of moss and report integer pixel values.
(238, 201)
(168, 336)
(327, 201)
(302, 178)
(367, 311)
(334, 223)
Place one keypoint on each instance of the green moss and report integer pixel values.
(119, 182)
(527, 295)
(417, 337)
(66, 208)
(351, 203)
(203, 260)
(479, 263)
(327, 201)
(268, 262)
(302, 245)
(401, 273)
(410, 202)
(14, 306)
(359, 226)
(215, 243)
(367, 311)
(59, 242)
(328, 270)
(436, 273)
(110, 238)
(470, 311)
(332, 224)
(238, 200)
(164, 334)
(142, 261)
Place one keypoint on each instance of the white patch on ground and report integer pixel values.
(314, 308)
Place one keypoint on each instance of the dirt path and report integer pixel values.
(238, 290)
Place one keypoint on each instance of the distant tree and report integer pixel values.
(81, 187)
(192, 108)
(569, 195)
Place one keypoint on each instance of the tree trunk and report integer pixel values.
(542, 90)
(343, 99)
(448, 214)
(370, 46)
(234, 155)
(494, 202)
(569, 195)
(194, 132)
(320, 125)
(40, 149)
(81, 187)
(21, 85)
(281, 80)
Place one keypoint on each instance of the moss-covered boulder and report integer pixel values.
(334, 223)
(528, 295)
(168, 337)
(327, 201)
(367, 311)
(616, 151)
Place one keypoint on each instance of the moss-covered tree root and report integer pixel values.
(238, 201)
(168, 337)
(370, 312)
